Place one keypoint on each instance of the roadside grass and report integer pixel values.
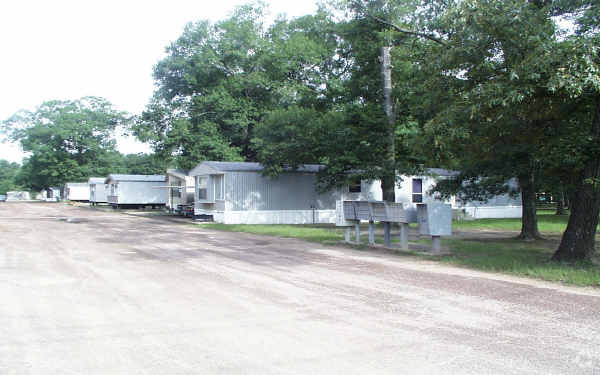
(531, 259)
(547, 223)
(325, 234)
(503, 254)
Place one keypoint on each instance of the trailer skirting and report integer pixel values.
(272, 217)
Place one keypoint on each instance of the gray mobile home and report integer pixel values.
(237, 193)
(180, 190)
(77, 191)
(97, 190)
(135, 190)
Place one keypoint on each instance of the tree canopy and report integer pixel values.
(67, 141)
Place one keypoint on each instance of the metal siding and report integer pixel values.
(250, 191)
(141, 192)
(218, 187)
(99, 192)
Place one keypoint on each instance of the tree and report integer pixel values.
(349, 131)
(522, 97)
(69, 141)
(218, 82)
(578, 78)
(8, 173)
(143, 164)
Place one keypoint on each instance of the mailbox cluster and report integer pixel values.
(435, 219)
(350, 213)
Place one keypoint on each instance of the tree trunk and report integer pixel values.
(529, 227)
(560, 203)
(388, 181)
(579, 239)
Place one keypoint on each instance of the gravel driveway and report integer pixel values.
(84, 291)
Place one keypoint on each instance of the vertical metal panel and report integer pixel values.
(218, 187)
(290, 191)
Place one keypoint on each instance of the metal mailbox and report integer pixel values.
(341, 219)
(395, 213)
(435, 219)
(357, 210)
(372, 211)
(378, 211)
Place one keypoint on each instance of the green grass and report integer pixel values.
(325, 234)
(504, 255)
(547, 223)
(520, 258)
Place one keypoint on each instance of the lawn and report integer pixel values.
(325, 234)
(531, 259)
(547, 223)
(499, 252)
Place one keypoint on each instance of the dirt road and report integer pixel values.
(108, 293)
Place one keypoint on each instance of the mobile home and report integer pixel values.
(415, 189)
(180, 191)
(52, 194)
(77, 191)
(17, 196)
(135, 190)
(97, 190)
(237, 193)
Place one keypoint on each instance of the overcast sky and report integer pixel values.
(66, 49)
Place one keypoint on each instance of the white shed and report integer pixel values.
(180, 189)
(77, 191)
(135, 190)
(237, 193)
(97, 190)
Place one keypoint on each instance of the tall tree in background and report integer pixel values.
(352, 133)
(8, 173)
(68, 141)
(219, 81)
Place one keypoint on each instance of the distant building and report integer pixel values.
(77, 191)
(179, 190)
(17, 196)
(97, 190)
(135, 190)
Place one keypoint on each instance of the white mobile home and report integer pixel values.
(237, 193)
(52, 194)
(97, 190)
(180, 189)
(77, 191)
(135, 190)
(415, 189)
(17, 196)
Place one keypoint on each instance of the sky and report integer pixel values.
(67, 49)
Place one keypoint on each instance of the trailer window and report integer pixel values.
(355, 185)
(202, 183)
(219, 187)
(417, 190)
